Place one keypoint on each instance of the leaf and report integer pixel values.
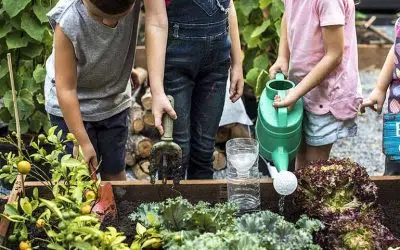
(55, 246)
(10, 210)
(40, 98)
(38, 120)
(25, 103)
(31, 85)
(35, 193)
(14, 218)
(13, 7)
(70, 162)
(16, 40)
(81, 245)
(261, 61)
(260, 29)
(140, 230)
(52, 206)
(23, 124)
(252, 75)
(32, 27)
(265, 3)
(51, 130)
(247, 6)
(41, 12)
(39, 74)
(26, 205)
(5, 29)
(32, 50)
(3, 68)
(5, 115)
(262, 80)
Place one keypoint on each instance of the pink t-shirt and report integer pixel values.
(339, 92)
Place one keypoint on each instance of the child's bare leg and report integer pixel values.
(301, 155)
(318, 153)
(309, 154)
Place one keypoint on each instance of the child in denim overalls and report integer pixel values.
(197, 39)
(389, 77)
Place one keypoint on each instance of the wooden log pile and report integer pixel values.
(142, 133)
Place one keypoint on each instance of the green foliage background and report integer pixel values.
(259, 25)
(25, 33)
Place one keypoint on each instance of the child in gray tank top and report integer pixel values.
(86, 87)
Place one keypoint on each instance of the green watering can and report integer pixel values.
(279, 131)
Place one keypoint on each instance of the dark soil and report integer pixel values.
(392, 216)
(122, 223)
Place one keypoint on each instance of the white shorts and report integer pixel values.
(320, 130)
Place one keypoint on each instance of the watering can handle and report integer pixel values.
(279, 76)
(282, 112)
(168, 123)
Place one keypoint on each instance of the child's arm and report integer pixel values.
(66, 83)
(237, 81)
(378, 95)
(333, 37)
(282, 62)
(156, 45)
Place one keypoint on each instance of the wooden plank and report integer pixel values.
(196, 190)
(372, 55)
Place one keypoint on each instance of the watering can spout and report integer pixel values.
(280, 157)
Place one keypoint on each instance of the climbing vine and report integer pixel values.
(259, 25)
(26, 34)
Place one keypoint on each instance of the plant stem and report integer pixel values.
(14, 97)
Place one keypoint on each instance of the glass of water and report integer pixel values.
(243, 176)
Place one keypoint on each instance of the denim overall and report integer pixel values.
(196, 71)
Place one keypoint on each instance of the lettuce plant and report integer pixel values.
(336, 188)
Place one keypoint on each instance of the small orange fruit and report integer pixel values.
(86, 209)
(24, 167)
(24, 245)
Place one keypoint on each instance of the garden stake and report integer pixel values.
(104, 205)
(17, 124)
(166, 156)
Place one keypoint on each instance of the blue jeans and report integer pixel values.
(196, 72)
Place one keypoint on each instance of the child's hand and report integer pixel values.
(375, 101)
(281, 65)
(160, 106)
(290, 100)
(237, 82)
(90, 155)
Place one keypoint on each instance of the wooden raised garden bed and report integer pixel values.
(129, 194)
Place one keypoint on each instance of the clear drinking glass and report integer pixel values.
(243, 176)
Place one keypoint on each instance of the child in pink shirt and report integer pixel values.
(318, 50)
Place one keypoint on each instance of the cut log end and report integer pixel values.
(147, 100)
(219, 160)
(148, 118)
(141, 169)
(137, 126)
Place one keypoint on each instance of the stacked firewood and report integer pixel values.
(142, 133)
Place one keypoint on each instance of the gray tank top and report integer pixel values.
(104, 57)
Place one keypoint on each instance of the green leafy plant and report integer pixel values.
(25, 33)
(64, 219)
(202, 226)
(259, 25)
